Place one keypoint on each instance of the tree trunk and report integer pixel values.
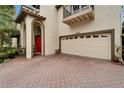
(1, 40)
(2, 43)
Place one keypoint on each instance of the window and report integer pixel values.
(88, 36)
(95, 36)
(36, 6)
(71, 37)
(76, 7)
(84, 6)
(66, 38)
(76, 37)
(81, 36)
(104, 36)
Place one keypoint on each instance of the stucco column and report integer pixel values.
(28, 38)
(21, 32)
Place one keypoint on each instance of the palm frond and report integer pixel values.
(7, 24)
(10, 9)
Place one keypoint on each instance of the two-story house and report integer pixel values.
(84, 30)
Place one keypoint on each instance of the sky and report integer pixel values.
(122, 14)
(18, 8)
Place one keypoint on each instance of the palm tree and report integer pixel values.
(7, 24)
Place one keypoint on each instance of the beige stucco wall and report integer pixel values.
(28, 22)
(26, 35)
(22, 35)
(51, 32)
(106, 17)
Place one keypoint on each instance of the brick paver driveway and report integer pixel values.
(61, 71)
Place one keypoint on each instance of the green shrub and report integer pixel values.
(3, 56)
(1, 60)
(11, 50)
(14, 50)
(7, 52)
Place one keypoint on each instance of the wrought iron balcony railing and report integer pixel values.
(73, 9)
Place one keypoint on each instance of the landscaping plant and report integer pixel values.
(3, 55)
(7, 29)
(7, 52)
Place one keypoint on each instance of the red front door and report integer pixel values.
(38, 44)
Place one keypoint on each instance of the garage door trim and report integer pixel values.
(111, 31)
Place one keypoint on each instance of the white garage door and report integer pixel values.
(97, 45)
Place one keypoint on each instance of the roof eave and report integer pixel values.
(24, 12)
(18, 18)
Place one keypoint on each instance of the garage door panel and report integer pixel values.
(92, 47)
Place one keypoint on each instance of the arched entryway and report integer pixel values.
(30, 22)
(38, 38)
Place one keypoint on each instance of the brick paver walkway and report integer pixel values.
(61, 71)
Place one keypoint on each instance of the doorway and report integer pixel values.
(37, 39)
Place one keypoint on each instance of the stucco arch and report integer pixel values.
(42, 27)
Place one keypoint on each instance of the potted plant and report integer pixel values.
(118, 56)
(58, 51)
(115, 58)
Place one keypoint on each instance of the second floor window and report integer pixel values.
(36, 6)
(76, 7)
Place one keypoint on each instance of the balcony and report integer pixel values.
(73, 14)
